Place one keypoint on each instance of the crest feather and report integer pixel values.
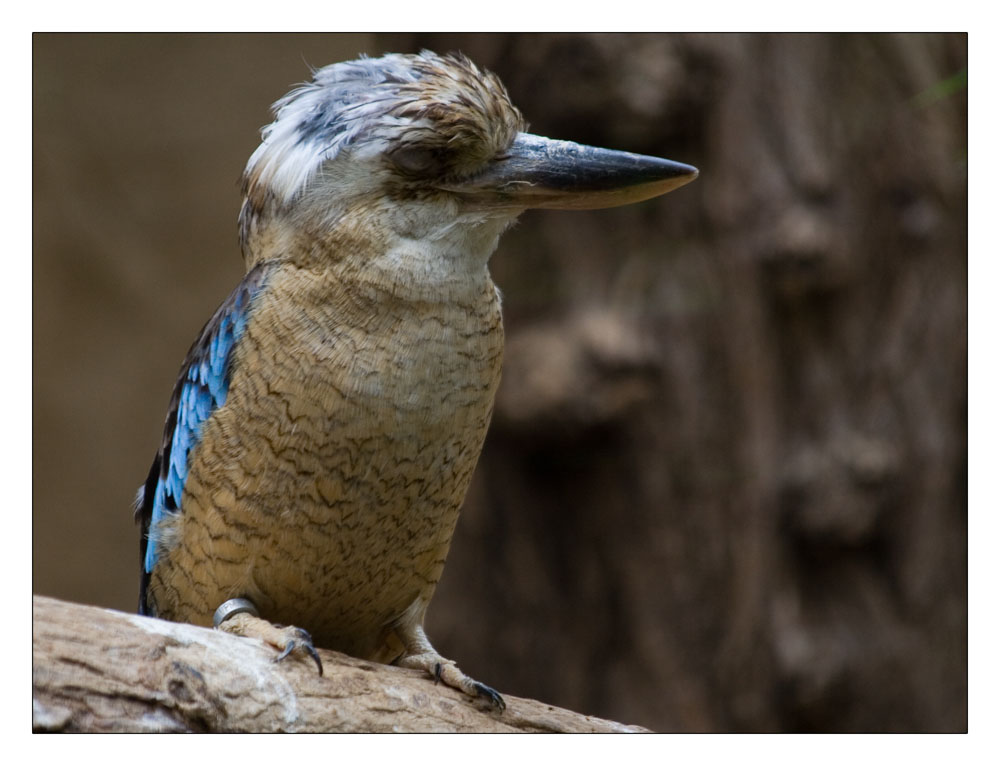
(373, 105)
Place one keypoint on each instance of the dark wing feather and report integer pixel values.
(201, 388)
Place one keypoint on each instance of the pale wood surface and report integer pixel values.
(99, 670)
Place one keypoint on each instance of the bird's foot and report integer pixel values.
(238, 616)
(447, 672)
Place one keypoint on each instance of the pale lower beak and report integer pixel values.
(538, 172)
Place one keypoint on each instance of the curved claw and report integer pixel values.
(301, 640)
(315, 655)
(491, 694)
(420, 655)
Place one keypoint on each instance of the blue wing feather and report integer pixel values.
(201, 388)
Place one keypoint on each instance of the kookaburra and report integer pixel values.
(327, 420)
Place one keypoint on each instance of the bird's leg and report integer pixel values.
(420, 655)
(239, 617)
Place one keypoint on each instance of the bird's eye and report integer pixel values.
(415, 159)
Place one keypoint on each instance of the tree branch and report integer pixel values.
(98, 670)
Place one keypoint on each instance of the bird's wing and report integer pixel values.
(201, 388)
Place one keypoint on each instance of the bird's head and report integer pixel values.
(421, 147)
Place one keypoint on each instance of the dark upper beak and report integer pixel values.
(542, 172)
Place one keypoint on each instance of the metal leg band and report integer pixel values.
(232, 607)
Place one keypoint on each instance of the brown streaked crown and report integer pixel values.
(419, 118)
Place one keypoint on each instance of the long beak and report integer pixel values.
(544, 173)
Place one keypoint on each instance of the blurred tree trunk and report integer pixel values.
(725, 487)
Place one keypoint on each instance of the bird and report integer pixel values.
(326, 421)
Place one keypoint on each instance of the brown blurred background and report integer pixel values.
(725, 487)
